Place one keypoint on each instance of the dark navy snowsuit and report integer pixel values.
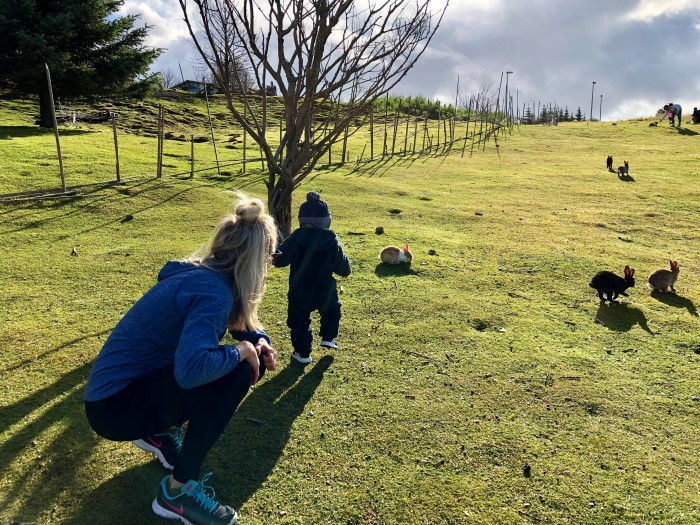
(314, 254)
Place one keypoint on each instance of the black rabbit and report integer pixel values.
(612, 285)
(609, 163)
(624, 170)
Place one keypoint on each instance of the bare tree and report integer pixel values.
(330, 59)
(222, 47)
(167, 79)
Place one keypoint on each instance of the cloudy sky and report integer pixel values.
(640, 53)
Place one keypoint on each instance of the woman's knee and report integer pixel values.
(238, 379)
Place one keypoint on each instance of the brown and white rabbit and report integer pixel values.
(663, 280)
(396, 255)
(612, 285)
(624, 170)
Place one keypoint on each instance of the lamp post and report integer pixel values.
(600, 109)
(508, 73)
(592, 88)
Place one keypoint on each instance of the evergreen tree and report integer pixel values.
(90, 52)
(567, 116)
(528, 118)
(579, 115)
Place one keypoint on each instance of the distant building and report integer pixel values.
(197, 87)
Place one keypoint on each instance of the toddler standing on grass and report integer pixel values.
(315, 254)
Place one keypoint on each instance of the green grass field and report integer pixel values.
(452, 374)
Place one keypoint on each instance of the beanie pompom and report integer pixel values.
(314, 211)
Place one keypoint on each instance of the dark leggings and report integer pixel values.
(155, 402)
(299, 322)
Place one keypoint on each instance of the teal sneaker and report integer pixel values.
(165, 446)
(195, 504)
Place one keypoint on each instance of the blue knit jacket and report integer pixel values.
(180, 322)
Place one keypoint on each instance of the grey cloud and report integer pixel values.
(555, 48)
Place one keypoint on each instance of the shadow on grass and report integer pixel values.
(676, 301)
(621, 317)
(263, 422)
(625, 178)
(382, 165)
(27, 362)
(241, 460)
(54, 444)
(124, 498)
(42, 210)
(687, 132)
(394, 270)
(19, 132)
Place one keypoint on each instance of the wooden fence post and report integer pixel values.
(159, 168)
(245, 138)
(396, 129)
(371, 133)
(415, 135)
(191, 156)
(211, 128)
(466, 133)
(405, 138)
(386, 118)
(345, 147)
(55, 129)
(116, 147)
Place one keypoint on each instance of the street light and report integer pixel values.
(600, 110)
(506, 98)
(592, 88)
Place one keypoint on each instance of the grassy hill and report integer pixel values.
(484, 384)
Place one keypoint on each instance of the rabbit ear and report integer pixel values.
(632, 272)
(674, 264)
(627, 271)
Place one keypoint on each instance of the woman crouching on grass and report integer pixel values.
(163, 365)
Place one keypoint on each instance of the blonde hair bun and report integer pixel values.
(248, 209)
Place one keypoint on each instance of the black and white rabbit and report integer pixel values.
(612, 285)
(624, 170)
(663, 280)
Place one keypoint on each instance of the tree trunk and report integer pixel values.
(279, 201)
(45, 119)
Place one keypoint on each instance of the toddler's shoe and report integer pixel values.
(329, 344)
(301, 359)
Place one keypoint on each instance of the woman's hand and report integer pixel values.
(249, 353)
(267, 353)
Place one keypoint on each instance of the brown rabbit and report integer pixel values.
(663, 280)
(395, 255)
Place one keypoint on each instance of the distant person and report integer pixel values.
(163, 364)
(315, 254)
(672, 111)
(696, 116)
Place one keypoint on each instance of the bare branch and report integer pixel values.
(330, 60)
